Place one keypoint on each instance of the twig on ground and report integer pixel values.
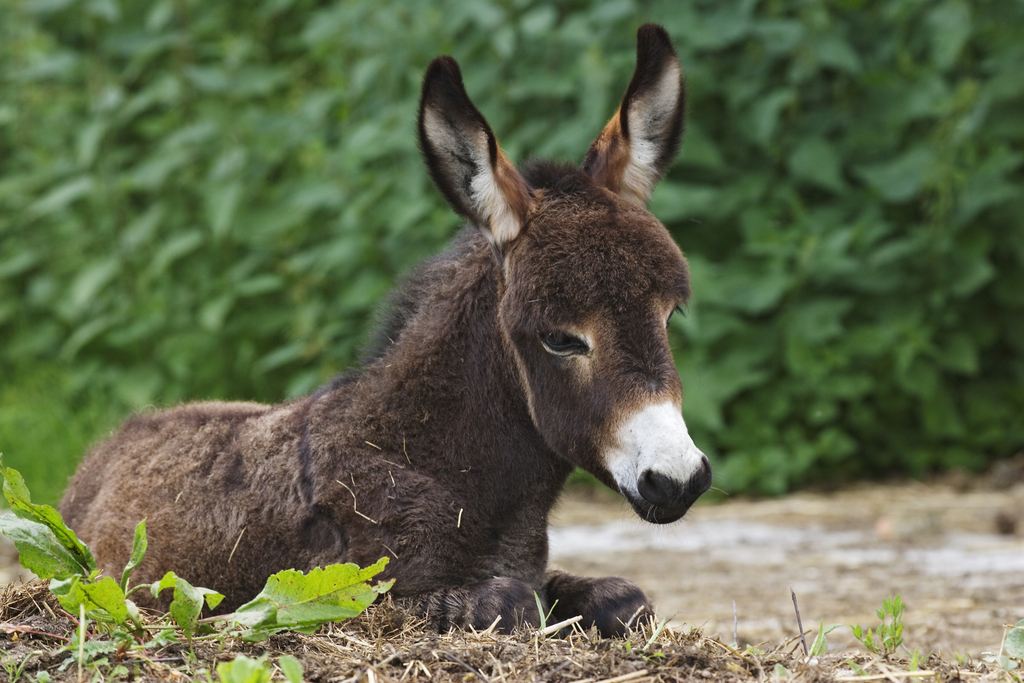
(15, 628)
(555, 628)
(490, 629)
(799, 624)
(632, 619)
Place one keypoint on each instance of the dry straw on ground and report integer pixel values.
(387, 645)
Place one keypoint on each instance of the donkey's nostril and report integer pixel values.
(657, 489)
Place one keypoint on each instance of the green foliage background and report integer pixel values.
(208, 199)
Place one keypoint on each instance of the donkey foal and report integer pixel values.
(535, 343)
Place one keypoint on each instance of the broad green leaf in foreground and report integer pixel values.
(187, 604)
(38, 548)
(102, 597)
(243, 669)
(46, 545)
(291, 668)
(292, 600)
(1014, 645)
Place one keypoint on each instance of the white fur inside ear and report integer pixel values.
(465, 155)
(650, 118)
(490, 201)
(443, 138)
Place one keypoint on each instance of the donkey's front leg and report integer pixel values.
(610, 603)
(477, 605)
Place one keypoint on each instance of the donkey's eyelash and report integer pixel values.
(563, 344)
(678, 309)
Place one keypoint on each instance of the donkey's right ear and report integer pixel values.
(641, 139)
(465, 160)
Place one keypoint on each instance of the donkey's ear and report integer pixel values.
(464, 158)
(639, 142)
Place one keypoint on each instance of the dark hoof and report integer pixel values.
(619, 606)
(611, 604)
(511, 599)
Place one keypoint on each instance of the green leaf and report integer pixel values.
(291, 668)
(949, 27)
(815, 161)
(139, 545)
(222, 203)
(62, 196)
(1014, 645)
(17, 263)
(820, 645)
(292, 600)
(959, 353)
(817, 320)
(39, 550)
(102, 597)
(174, 249)
(89, 138)
(976, 272)
(187, 604)
(765, 114)
(901, 178)
(676, 201)
(244, 669)
(89, 282)
(45, 544)
(834, 51)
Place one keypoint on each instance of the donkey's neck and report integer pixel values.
(445, 388)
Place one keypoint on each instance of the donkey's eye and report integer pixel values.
(562, 344)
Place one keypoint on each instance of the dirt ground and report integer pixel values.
(954, 552)
(385, 645)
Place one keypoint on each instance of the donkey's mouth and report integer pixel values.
(661, 500)
(658, 514)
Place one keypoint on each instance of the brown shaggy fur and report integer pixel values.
(447, 448)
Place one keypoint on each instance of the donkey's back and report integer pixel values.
(201, 474)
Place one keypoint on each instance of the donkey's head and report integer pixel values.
(589, 278)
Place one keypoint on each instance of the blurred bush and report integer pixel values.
(208, 199)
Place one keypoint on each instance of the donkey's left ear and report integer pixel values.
(465, 160)
(641, 139)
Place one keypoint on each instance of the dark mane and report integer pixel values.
(561, 178)
(412, 290)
